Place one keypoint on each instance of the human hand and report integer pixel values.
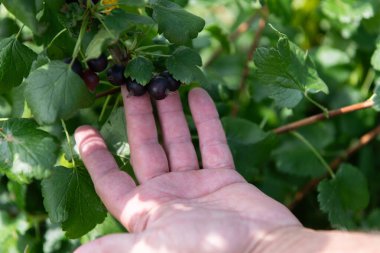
(178, 207)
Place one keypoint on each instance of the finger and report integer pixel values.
(125, 243)
(111, 184)
(177, 139)
(212, 139)
(148, 157)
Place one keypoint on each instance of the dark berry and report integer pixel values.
(158, 88)
(173, 84)
(135, 88)
(115, 74)
(91, 79)
(99, 64)
(76, 67)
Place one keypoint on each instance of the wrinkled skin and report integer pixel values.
(178, 207)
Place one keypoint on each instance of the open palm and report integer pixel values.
(178, 207)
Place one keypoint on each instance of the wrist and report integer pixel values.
(300, 240)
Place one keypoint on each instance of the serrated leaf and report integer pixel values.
(55, 92)
(249, 144)
(343, 195)
(98, 43)
(119, 21)
(284, 97)
(15, 62)
(287, 66)
(183, 65)
(25, 151)
(70, 199)
(140, 69)
(177, 25)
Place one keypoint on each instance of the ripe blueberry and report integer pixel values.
(158, 88)
(135, 88)
(99, 64)
(173, 84)
(115, 74)
(76, 67)
(91, 79)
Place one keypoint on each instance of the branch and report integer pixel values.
(251, 51)
(363, 141)
(242, 28)
(319, 117)
(108, 92)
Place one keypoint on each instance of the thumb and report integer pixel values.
(118, 243)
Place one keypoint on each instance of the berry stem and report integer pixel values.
(55, 37)
(324, 109)
(104, 108)
(108, 92)
(80, 37)
(100, 18)
(19, 32)
(68, 142)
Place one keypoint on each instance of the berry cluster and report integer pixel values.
(158, 88)
(90, 76)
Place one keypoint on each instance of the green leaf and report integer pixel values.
(8, 27)
(284, 97)
(177, 25)
(287, 66)
(55, 92)
(183, 65)
(98, 44)
(15, 62)
(25, 151)
(140, 69)
(70, 199)
(248, 143)
(290, 158)
(343, 195)
(26, 12)
(120, 21)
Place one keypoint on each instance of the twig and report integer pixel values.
(312, 184)
(242, 28)
(108, 92)
(321, 116)
(251, 51)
